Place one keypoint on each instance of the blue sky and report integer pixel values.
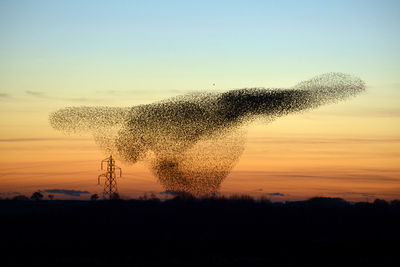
(185, 45)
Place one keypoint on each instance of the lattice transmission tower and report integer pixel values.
(110, 183)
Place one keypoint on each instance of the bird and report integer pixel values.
(167, 131)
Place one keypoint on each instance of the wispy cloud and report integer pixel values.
(4, 95)
(276, 194)
(34, 93)
(73, 99)
(304, 140)
(5, 140)
(365, 112)
(145, 92)
(343, 175)
(7, 194)
(71, 192)
(167, 192)
(358, 195)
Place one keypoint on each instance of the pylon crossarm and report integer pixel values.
(104, 160)
(120, 171)
(98, 178)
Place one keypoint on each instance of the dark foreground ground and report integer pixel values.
(207, 232)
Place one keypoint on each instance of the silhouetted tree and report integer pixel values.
(153, 197)
(20, 197)
(94, 197)
(183, 195)
(144, 197)
(37, 196)
(51, 197)
(327, 202)
(242, 198)
(264, 199)
(381, 203)
(395, 203)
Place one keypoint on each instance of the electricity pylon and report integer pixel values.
(110, 183)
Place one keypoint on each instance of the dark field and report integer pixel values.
(200, 232)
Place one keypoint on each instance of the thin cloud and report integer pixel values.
(9, 193)
(167, 192)
(145, 92)
(34, 93)
(364, 194)
(4, 95)
(365, 112)
(6, 140)
(73, 99)
(302, 140)
(75, 193)
(276, 194)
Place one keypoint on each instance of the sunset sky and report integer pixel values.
(56, 54)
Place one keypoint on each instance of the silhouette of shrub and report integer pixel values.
(20, 197)
(327, 202)
(381, 203)
(144, 197)
(182, 195)
(264, 200)
(241, 198)
(37, 196)
(94, 197)
(395, 203)
(153, 197)
(115, 196)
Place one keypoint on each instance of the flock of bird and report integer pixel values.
(192, 142)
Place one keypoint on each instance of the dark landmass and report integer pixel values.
(200, 232)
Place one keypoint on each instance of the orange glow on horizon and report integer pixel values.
(295, 167)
